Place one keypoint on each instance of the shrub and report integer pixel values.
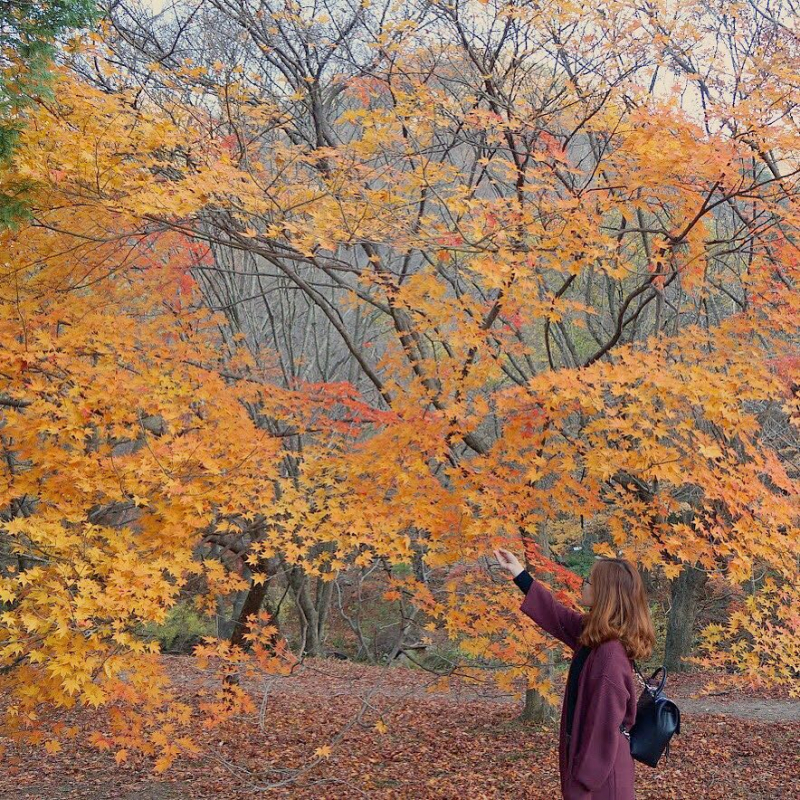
(183, 628)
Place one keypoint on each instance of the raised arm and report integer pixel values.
(550, 615)
(540, 605)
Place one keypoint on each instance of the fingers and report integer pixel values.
(506, 559)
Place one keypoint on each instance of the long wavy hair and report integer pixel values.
(619, 609)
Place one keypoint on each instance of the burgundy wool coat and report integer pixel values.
(597, 764)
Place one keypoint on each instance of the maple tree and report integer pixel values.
(366, 289)
(589, 186)
(124, 442)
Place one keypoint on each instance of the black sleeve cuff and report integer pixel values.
(524, 581)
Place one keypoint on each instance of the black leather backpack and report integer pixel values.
(657, 719)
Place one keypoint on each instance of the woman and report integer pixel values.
(594, 756)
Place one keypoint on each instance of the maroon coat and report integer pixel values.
(598, 764)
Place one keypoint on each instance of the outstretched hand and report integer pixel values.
(508, 561)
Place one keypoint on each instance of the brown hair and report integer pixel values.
(619, 609)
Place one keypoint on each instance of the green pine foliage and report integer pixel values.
(29, 31)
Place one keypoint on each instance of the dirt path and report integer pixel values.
(757, 710)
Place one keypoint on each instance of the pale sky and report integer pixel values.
(690, 100)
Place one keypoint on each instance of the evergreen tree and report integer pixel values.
(29, 30)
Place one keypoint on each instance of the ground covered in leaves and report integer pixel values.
(315, 736)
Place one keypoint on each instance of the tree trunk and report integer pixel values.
(324, 597)
(418, 549)
(312, 610)
(684, 591)
(252, 605)
(537, 709)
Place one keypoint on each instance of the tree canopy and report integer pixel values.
(377, 286)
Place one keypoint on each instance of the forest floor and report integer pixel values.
(462, 742)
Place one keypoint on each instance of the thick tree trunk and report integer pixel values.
(684, 591)
(537, 709)
(254, 600)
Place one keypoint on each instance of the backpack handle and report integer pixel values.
(655, 691)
